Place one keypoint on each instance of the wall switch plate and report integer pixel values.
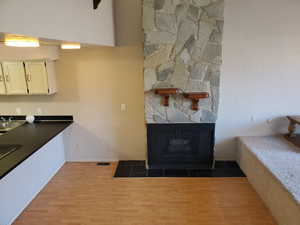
(123, 107)
(18, 111)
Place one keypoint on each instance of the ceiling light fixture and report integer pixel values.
(70, 46)
(13, 40)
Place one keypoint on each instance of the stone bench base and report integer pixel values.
(281, 202)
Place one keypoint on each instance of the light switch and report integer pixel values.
(123, 107)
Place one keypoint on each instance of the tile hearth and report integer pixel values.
(127, 169)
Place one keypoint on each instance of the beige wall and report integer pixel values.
(92, 85)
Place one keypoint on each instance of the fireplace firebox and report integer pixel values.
(181, 146)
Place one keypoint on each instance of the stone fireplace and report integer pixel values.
(182, 50)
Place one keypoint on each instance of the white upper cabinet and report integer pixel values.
(40, 77)
(14, 76)
(32, 77)
(2, 84)
(36, 76)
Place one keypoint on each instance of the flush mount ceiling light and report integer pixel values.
(14, 40)
(70, 46)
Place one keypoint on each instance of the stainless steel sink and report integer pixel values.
(6, 126)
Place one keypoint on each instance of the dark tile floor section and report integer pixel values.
(138, 169)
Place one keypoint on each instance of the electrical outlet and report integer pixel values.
(123, 107)
(39, 111)
(18, 111)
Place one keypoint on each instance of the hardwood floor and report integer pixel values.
(84, 194)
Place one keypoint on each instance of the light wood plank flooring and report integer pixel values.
(84, 194)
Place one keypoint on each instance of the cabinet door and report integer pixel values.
(14, 75)
(2, 84)
(37, 78)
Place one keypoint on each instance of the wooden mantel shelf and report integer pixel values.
(292, 136)
(165, 93)
(195, 97)
(294, 120)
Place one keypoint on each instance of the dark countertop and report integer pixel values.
(31, 137)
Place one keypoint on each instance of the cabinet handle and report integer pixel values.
(7, 78)
(28, 77)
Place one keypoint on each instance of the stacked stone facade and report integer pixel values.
(182, 49)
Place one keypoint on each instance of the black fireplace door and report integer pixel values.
(180, 146)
